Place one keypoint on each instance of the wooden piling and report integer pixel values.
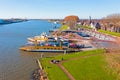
(39, 64)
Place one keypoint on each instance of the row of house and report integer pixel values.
(105, 24)
(91, 23)
(101, 24)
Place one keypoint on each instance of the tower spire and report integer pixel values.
(90, 19)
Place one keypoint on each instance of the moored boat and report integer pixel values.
(55, 44)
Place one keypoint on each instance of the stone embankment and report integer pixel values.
(39, 73)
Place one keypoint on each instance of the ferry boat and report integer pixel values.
(41, 44)
(47, 48)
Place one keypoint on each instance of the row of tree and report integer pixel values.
(111, 23)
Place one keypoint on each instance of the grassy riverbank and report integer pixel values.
(86, 27)
(64, 27)
(110, 33)
(86, 65)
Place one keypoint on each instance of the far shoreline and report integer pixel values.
(11, 21)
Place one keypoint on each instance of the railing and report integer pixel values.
(49, 47)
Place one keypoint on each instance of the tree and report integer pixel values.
(71, 21)
(111, 22)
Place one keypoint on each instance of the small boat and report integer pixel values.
(46, 46)
(41, 38)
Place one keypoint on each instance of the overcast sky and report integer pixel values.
(57, 8)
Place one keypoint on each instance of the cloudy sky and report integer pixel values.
(43, 9)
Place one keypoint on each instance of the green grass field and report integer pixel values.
(52, 70)
(87, 65)
(110, 33)
(86, 27)
(90, 68)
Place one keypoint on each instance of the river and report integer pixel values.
(16, 64)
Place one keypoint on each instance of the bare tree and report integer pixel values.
(111, 22)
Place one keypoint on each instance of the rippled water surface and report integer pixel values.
(15, 64)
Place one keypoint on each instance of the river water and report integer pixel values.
(16, 64)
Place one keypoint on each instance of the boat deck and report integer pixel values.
(27, 48)
(47, 49)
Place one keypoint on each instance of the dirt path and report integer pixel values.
(66, 72)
